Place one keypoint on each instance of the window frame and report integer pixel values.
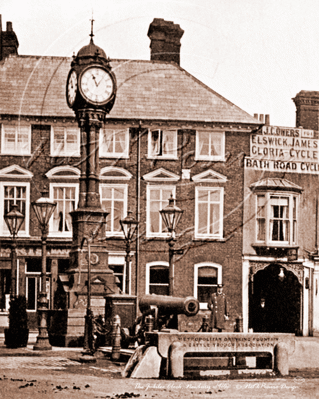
(53, 185)
(209, 157)
(113, 154)
(125, 207)
(148, 209)
(197, 266)
(199, 189)
(64, 153)
(119, 260)
(172, 155)
(293, 204)
(149, 266)
(4, 231)
(18, 151)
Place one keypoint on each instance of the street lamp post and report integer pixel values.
(43, 209)
(14, 220)
(128, 225)
(171, 216)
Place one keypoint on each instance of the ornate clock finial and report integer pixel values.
(91, 34)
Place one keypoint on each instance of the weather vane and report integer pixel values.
(91, 34)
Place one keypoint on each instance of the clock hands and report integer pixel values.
(94, 78)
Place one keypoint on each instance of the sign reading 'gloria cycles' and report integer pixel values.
(276, 148)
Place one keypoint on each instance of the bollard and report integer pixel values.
(205, 325)
(149, 323)
(239, 324)
(116, 338)
(281, 358)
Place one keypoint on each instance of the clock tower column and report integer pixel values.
(90, 92)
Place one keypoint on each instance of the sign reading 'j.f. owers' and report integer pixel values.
(280, 148)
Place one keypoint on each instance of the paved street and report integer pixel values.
(52, 376)
(26, 374)
(37, 383)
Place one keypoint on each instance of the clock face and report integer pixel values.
(96, 85)
(72, 88)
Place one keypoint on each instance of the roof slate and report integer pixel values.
(147, 90)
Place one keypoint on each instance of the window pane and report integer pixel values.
(206, 282)
(159, 275)
(156, 142)
(203, 141)
(207, 271)
(32, 292)
(58, 140)
(215, 144)
(261, 233)
(279, 223)
(71, 141)
(155, 222)
(203, 219)
(107, 205)
(169, 142)
(113, 201)
(118, 215)
(261, 207)
(120, 142)
(15, 195)
(159, 289)
(214, 219)
(65, 200)
(158, 200)
(159, 280)
(119, 273)
(5, 285)
(106, 192)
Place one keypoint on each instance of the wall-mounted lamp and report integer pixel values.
(262, 302)
(281, 274)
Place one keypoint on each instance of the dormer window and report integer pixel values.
(276, 212)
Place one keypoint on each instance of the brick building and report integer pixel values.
(280, 247)
(167, 133)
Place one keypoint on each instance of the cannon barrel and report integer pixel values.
(170, 304)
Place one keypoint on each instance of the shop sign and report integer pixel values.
(276, 148)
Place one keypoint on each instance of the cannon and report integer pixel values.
(169, 304)
(158, 312)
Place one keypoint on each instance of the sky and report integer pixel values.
(256, 53)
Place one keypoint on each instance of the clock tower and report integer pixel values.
(91, 93)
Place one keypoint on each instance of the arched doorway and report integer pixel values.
(274, 303)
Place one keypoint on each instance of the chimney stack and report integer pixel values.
(165, 39)
(8, 41)
(307, 105)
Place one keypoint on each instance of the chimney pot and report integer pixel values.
(256, 116)
(9, 26)
(267, 120)
(261, 118)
